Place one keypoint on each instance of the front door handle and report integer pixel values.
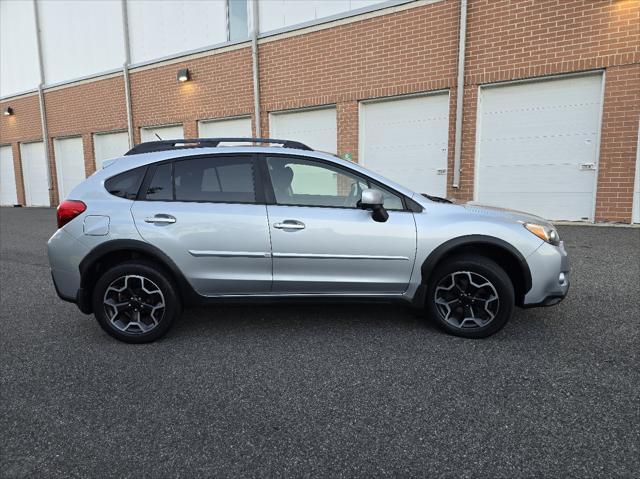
(161, 219)
(290, 225)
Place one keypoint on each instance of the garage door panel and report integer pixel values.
(109, 145)
(542, 125)
(70, 166)
(535, 142)
(34, 173)
(406, 139)
(534, 152)
(315, 128)
(547, 94)
(230, 128)
(169, 132)
(509, 179)
(546, 205)
(8, 191)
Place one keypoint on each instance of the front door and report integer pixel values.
(323, 243)
(203, 213)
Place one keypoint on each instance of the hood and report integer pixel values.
(496, 212)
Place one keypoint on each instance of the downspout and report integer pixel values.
(125, 71)
(459, 95)
(254, 60)
(43, 113)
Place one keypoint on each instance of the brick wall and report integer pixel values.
(408, 51)
(619, 141)
(221, 86)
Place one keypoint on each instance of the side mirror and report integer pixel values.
(373, 200)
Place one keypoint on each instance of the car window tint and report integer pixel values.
(304, 182)
(392, 201)
(161, 187)
(215, 179)
(125, 185)
(309, 183)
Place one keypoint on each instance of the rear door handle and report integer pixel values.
(290, 225)
(161, 219)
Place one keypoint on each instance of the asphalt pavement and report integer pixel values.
(300, 390)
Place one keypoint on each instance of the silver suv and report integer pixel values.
(174, 223)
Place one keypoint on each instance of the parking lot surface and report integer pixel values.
(334, 390)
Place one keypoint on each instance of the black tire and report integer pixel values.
(465, 303)
(159, 319)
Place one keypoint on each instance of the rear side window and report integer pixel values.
(161, 185)
(127, 184)
(215, 179)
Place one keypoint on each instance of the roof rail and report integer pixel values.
(163, 145)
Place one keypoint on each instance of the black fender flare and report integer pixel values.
(87, 264)
(476, 241)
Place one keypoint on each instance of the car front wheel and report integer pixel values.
(470, 296)
(135, 302)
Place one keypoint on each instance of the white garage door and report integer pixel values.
(537, 147)
(69, 164)
(315, 128)
(8, 194)
(109, 145)
(34, 174)
(171, 132)
(405, 139)
(228, 127)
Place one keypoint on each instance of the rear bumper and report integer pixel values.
(65, 253)
(61, 295)
(550, 276)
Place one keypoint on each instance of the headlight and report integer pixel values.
(545, 233)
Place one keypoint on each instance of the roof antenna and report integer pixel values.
(158, 136)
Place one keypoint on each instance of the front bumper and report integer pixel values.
(550, 276)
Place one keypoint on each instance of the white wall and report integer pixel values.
(18, 47)
(276, 14)
(80, 38)
(158, 29)
(85, 37)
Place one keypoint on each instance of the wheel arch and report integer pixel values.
(496, 249)
(113, 252)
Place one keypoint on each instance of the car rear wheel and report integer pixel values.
(135, 302)
(470, 296)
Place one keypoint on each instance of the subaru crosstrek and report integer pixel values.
(176, 223)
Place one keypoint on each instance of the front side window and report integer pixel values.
(302, 182)
(215, 179)
(127, 184)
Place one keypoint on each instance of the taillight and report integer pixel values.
(69, 209)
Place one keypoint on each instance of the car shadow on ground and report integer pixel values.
(341, 318)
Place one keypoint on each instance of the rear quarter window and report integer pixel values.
(127, 184)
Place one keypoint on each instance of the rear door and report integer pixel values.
(207, 215)
(323, 243)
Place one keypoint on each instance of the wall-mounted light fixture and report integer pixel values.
(8, 111)
(183, 75)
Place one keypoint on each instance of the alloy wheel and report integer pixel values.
(134, 304)
(466, 300)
